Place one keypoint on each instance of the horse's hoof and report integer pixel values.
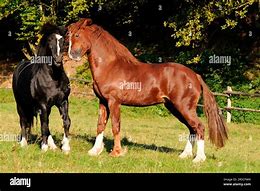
(51, 143)
(23, 142)
(44, 147)
(96, 151)
(198, 159)
(118, 153)
(53, 147)
(65, 148)
(66, 152)
(184, 155)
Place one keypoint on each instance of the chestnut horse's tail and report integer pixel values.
(217, 126)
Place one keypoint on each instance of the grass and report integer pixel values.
(153, 143)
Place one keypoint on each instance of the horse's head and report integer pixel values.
(79, 34)
(52, 42)
(55, 44)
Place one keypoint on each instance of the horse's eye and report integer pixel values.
(76, 35)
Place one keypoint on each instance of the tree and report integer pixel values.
(31, 15)
(191, 30)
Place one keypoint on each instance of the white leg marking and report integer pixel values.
(51, 143)
(44, 147)
(200, 157)
(58, 37)
(98, 146)
(23, 142)
(187, 150)
(65, 144)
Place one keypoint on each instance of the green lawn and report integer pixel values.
(152, 141)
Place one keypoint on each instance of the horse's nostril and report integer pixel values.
(76, 53)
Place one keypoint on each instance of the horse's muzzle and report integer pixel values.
(75, 55)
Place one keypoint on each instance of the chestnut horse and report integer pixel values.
(120, 79)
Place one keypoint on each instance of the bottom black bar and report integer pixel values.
(75, 181)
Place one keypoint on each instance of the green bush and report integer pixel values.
(83, 72)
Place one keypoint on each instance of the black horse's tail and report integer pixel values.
(217, 126)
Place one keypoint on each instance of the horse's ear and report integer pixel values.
(87, 22)
(62, 30)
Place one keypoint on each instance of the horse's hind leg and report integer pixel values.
(102, 121)
(25, 127)
(187, 152)
(64, 112)
(193, 120)
(24, 136)
(189, 114)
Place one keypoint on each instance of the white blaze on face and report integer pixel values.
(58, 37)
(70, 46)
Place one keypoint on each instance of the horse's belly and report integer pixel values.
(141, 99)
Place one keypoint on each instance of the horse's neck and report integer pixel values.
(104, 51)
(42, 51)
(49, 69)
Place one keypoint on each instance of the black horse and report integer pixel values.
(40, 84)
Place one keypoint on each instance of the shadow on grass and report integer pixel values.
(37, 139)
(125, 142)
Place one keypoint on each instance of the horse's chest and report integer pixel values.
(47, 91)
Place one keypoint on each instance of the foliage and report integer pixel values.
(31, 15)
(8, 7)
(83, 72)
(244, 102)
(80, 7)
(191, 30)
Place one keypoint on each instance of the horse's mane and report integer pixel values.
(112, 44)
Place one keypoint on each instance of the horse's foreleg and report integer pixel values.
(64, 112)
(115, 118)
(44, 117)
(102, 121)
